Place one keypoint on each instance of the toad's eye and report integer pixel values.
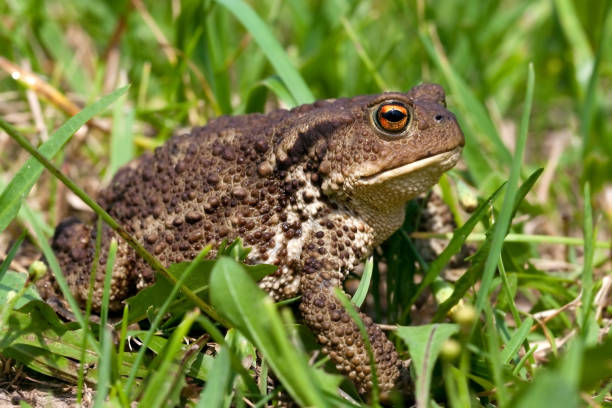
(393, 117)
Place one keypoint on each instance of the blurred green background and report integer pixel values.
(190, 60)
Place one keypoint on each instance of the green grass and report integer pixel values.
(523, 77)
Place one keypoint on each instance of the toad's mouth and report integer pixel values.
(439, 163)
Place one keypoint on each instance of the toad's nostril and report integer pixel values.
(439, 118)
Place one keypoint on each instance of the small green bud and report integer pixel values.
(442, 290)
(37, 270)
(463, 314)
(467, 198)
(451, 349)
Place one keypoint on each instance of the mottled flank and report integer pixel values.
(312, 190)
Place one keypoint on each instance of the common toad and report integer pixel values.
(312, 190)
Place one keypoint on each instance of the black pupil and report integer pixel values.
(394, 115)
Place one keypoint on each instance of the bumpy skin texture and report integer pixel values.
(312, 190)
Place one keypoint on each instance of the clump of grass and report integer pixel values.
(512, 330)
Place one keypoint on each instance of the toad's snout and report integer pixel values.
(439, 128)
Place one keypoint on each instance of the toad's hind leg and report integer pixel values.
(74, 245)
(338, 333)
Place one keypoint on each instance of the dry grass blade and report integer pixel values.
(42, 88)
(166, 47)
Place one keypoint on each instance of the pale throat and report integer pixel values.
(383, 224)
(380, 199)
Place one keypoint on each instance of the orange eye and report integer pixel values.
(393, 117)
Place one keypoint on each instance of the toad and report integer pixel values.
(312, 190)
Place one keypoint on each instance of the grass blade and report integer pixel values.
(454, 245)
(589, 103)
(237, 298)
(110, 263)
(159, 316)
(236, 363)
(363, 55)
(166, 381)
(213, 394)
(515, 342)
(494, 358)
(503, 221)
(475, 271)
(278, 87)
(122, 138)
(587, 271)
(104, 367)
(364, 283)
(475, 113)
(11, 254)
(271, 48)
(24, 179)
(577, 39)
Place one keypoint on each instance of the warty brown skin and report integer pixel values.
(312, 190)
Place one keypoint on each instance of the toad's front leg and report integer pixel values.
(338, 333)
